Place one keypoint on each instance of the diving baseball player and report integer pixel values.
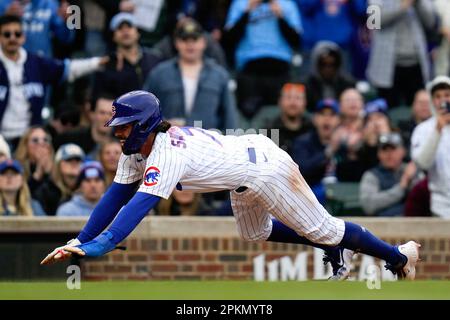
(270, 199)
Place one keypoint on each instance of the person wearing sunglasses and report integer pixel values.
(25, 77)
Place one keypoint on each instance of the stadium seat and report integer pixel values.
(399, 113)
(343, 199)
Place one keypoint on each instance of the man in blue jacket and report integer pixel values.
(24, 78)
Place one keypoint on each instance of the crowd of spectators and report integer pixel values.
(352, 103)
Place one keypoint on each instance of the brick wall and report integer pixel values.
(229, 259)
(208, 255)
(209, 247)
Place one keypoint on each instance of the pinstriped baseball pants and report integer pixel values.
(276, 188)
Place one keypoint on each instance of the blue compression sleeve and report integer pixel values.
(115, 198)
(126, 221)
(131, 215)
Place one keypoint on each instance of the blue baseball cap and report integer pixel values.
(378, 105)
(120, 18)
(91, 170)
(327, 103)
(11, 164)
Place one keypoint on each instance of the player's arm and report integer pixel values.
(112, 201)
(127, 220)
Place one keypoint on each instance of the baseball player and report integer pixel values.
(270, 199)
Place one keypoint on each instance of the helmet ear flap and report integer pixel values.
(143, 127)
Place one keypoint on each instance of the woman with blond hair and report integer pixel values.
(108, 156)
(61, 185)
(14, 193)
(35, 153)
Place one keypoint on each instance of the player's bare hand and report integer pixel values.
(75, 250)
(62, 253)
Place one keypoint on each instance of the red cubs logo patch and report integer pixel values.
(151, 176)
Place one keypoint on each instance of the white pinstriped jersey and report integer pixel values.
(205, 161)
(190, 159)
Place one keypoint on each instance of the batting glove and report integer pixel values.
(99, 246)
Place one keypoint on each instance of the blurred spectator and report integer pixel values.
(109, 155)
(327, 79)
(376, 123)
(312, 151)
(5, 151)
(183, 203)
(191, 87)
(210, 14)
(60, 187)
(15, 195)
(95, 19)
(36, 155)
(292, 121)
(66, 120)
(129, 65)
(430, 144)
(90, 138)
(421, 111)
(330, 20)
(165, 48)
(398, 64)
(263, 35)
(442, 60)
(42, 20)
(383, 189)
(154, 18)
(91, 182)
(418, 200)
(347, 140)
(349, 134)
(24, 78)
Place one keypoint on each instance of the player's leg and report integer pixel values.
(339, 257)
(254, 223)
(292, 202)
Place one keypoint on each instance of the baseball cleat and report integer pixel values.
(410, 251)
(340, 259)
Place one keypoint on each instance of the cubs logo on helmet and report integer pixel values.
(151, 176)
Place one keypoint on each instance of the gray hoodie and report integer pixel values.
(78, 206)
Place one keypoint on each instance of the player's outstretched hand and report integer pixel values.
(63, 253)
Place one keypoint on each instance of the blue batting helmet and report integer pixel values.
(138, 107)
